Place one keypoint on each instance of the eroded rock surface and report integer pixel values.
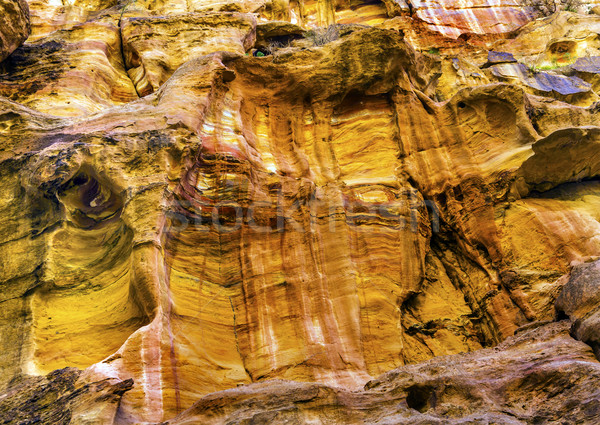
(579, 301)
(14, 25)
(488, 386)
(61, 397)
(198, 196)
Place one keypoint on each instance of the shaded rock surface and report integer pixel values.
(204, 195)
(61, 397)
(579, 301)
(14, 25)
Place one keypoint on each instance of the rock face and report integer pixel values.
(488, 386)
(61, 397)
(14, 25)
(580, 302)
(201, 196)
(472, 16)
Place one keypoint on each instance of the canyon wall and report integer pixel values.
(283, 212)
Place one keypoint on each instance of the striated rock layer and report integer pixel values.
(199, 196)
(61, 397)
(489, 386)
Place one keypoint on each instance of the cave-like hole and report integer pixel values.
(89, 201)
(420, 397)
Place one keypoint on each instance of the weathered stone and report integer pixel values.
(71, 72)
(155, 47)
(541, 81)
(500, 57)
(61, 397)
(589, 64)
(14, 25)
(489, 386)
(355, 200)
(580, 301)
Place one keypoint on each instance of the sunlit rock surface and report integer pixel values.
(150, 43)
(488, 386)
(472, 16)
(70, 72)
(198, 195)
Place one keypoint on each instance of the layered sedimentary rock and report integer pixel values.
(14, 25)
(61, 397)
(489, 386)
(150, 41)
(71, 72)
(472, 16)
(198, 196)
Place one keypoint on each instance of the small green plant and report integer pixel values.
(434, 51)
(536, 68)
(125, 8)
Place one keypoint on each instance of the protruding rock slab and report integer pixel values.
(156, 46)
(72, 72)
(61, 397)
(14, 25)
(488, 386)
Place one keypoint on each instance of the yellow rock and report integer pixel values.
(338, 207)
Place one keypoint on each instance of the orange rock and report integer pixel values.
(341, 206)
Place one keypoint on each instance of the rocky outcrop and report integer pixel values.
(72, 72)
(200, 196)
(14, 25)
(489, 386)
(580, 302)
(61, 397)
(472, 16)
(150, 43)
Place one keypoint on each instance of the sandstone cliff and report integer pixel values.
(299, 212)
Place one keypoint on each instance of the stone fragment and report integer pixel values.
(590, 64)
(500, 57)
